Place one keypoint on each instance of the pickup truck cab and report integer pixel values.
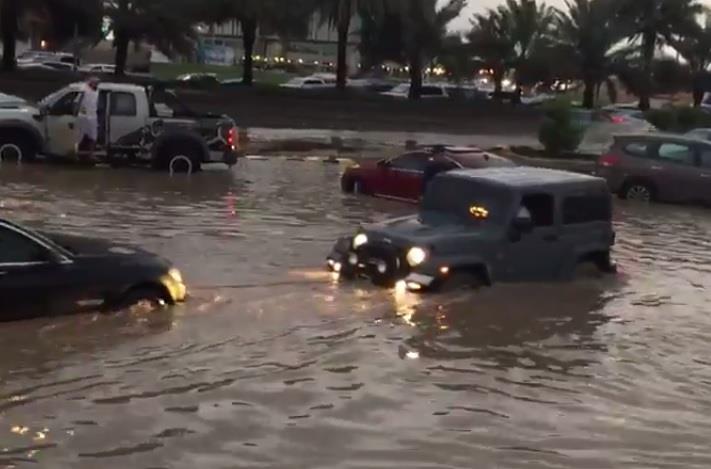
(137, 126)
(487, 225)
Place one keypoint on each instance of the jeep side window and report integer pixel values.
(586, 209)
(66, 105)
(541, 208)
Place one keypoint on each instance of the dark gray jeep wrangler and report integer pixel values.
(485, 226)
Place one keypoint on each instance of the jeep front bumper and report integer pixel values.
(384, 265)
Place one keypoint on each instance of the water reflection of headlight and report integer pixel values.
(416, 256)
(359, 240)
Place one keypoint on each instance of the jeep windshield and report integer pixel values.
(461, 200)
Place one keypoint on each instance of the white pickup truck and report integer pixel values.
(137, 126)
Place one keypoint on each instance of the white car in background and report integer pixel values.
(429, 91)
(98, 68)
(312, 82)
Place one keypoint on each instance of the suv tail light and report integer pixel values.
(617, 119)
(609, 160)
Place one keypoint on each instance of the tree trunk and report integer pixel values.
(344, 25)
(697, 88)
(649, 43)
(416, 75)
(122, 43)
(589, 94)
(121, 39)
(249, 36)
(9, 13)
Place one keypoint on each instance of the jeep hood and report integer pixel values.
(424, 226)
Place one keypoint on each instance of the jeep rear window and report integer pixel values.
(456, 196)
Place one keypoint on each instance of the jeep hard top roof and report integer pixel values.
(522, 178)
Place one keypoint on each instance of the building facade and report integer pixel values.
(222, 45)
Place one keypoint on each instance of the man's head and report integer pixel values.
(93, 83)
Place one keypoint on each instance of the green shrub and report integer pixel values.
(678, 119)
(558, 133)
(662, 119)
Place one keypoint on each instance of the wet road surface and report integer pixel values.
(288, 369)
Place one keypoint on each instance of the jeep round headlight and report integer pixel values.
(416, 256)
(359, 240)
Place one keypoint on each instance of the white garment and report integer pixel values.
(88, 119)
(89, 102)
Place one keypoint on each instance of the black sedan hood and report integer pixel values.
(83, 247)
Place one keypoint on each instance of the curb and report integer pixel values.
(312, 159)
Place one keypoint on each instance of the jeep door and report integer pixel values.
(535, 255)
(60, 125)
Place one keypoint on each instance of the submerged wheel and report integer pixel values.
(638, 192)
(151, 298)
(17, 147)
(178, 158)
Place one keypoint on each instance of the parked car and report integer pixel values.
(658, 167)
(98, 68)
(485, 226)
(429, 91)
(308, 83)
(44, 274)
(132, 130)
(699, 134)
(403, 177)
(198, 80)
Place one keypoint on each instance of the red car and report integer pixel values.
(403, 177)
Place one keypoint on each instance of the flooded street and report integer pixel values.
(271, 364)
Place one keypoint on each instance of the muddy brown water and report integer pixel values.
(295, 371)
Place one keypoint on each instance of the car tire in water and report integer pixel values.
(638, 191)
(150, 297)
(16, 146)
(178, 158)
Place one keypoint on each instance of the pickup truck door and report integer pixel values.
(60, 125)
(127, 113)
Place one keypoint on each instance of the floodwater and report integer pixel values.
(272, 365)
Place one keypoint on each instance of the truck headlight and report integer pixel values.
(359, 240)
(416, 256)
(175, 275)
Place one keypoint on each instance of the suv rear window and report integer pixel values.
(636, 149)
(586, 208)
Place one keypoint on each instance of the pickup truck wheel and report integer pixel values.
(177, 158)
(17, 147)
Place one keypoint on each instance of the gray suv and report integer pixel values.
(486, 226)
(659, 167)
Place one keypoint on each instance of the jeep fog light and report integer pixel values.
(352, 259)
(359, 240)
(416, 256)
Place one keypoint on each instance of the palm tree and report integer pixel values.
(695, 48)
(587, 32)
(339, 13)
(528, 23)
(167, 24)
(424, 28)
(67, 17)
(653, 22)
(491, 41)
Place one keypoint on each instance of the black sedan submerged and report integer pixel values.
(48, 274)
